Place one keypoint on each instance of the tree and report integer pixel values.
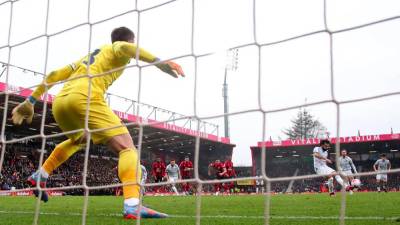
(305, 126)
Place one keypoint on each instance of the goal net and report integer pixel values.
(280, 46)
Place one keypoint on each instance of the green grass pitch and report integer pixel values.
(362, 209)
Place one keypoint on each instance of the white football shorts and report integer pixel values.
(348, 172)
(172, 179)
(323, 170)
(381, 177)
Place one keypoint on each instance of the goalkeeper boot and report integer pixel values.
(33, 180)
(133, 212)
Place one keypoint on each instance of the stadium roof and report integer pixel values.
(156, 135)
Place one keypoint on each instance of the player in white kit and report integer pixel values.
(382, 164)
(173, 174)
(320, 154)
(347, 167)
(144, 179)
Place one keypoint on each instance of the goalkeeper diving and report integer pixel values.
(69, 111)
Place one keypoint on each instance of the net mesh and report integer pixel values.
(199, 182)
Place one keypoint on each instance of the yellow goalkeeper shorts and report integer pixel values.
(69, 112)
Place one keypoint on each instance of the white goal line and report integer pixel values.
(300, 217)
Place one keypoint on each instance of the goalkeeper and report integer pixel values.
(69, 110)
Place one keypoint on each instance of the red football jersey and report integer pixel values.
(219, 167)
(158, 169)
(183, 166)
(229, 168)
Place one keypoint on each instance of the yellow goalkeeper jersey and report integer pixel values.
(100, 62)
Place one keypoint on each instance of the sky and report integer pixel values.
(365, 61)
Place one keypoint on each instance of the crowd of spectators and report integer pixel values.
(21, 160)
(14, 170)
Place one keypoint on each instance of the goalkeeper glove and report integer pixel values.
(171, 68)
(23, 111)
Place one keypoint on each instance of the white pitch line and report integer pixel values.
(221, 216)
(293, 217)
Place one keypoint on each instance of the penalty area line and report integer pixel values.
(218, 216)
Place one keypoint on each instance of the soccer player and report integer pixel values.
(346, 166)
(173, 174)
(230, 173)
(158, 172)
(69, 111)
(144, 178)
(321, 159)
(220, 173)
(382, 164)
(186, 168)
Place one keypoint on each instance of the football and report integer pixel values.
(356, 182)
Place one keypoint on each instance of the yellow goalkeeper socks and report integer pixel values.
(128, 173)
(60, 154)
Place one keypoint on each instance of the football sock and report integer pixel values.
(129, 173)
(339, 180)
(131, 201)
(330, 185)
(175, 190)
(43, 173)
(60, 154)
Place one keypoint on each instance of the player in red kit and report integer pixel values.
(220, 173)
(230, 173)
(158, 171)
(186, 168)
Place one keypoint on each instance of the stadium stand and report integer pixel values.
(169, 141)
(294, 157)
(160, 139)
(21, 160)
